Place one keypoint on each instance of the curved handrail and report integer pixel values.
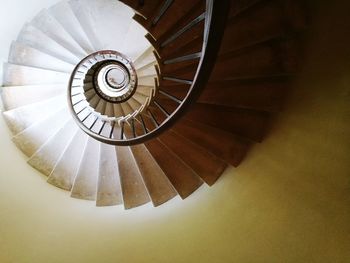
(215, 21)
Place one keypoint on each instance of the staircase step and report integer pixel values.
(182, 177)
(194, 45)
(46, 157)
(93, 102)
(266, 94)
(178, 90)
(140, 98)
(105, 23)
(145, 9)
(35, 38)
(22, 54)
(268, 58)
(139, 44)
(146, 81)
(67, 167)
(108, 187)
(32, 138)
(178, 15)
(145, 58)
(134, 104)
(52, 28)
(118, 110)
(145, 90)
(109, 111)
(18, 96)
(17, 75)
(182, 70)
(64, 15)
(224, 145)
(239, 7)
(182, 35)
(133, 187)
(127, 109)
(205, 164)
(101, 106)
(147, 71)
(19, 119)
(249, 124)
(84, 186)
(158, 185)
(266, 20)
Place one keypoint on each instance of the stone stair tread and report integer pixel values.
(19, 96)
(66, 17)
(84, 186)
(30, 139)
(45, 159)
(158, 185)
(52, 28)
(108, 186)
(19, 75)
(21, 54)
(133, 187)
(35, 38)
(65, 170)
(18, 119)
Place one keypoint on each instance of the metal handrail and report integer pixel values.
(215, 21)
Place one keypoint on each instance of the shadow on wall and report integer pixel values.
(299, 177)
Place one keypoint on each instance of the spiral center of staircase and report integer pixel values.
(111, 75)
(116, 77)
(113, 81)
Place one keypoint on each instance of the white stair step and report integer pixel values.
(21, 118)
(105, 22)
(135, 42)
(126, 108)
(134, 104)
(22, 54)
(147, 71)
(151, 64)
(35, 38)
(133, 187)
(17, 75)
(145, 58)
(66, 169)
(93, 102)
(108, 187)
(158, 185)
(18, 96)
(46, 157)
(66, 17)
(109, 111)
(145, 90)
(146, 81)
(90, 94)
(140, 98)
(32, 138)
(49, 25)
(101, 106)
(118, 110)
(85, 182)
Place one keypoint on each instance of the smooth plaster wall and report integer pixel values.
(288, 202)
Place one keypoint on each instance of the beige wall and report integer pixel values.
(288, 202)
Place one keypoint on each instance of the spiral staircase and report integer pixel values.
(162, 95)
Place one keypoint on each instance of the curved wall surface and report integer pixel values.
(288, 202)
